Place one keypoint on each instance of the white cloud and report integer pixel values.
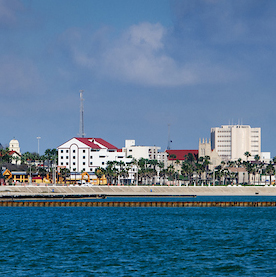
(140, 56)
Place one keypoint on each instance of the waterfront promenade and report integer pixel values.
(65, 190)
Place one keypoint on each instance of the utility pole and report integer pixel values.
(38, 138)
(169, 138)
(81, 133)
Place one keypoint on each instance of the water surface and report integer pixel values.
(87, 241)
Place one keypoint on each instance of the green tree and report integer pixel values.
(64, 172)
(247, 155)
(100, 172)
(270, 170)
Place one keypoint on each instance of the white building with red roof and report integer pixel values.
(87, 154)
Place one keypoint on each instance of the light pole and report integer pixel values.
(38, 138)
(30, 177)
(214, 178)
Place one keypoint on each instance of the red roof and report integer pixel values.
(10, 153)
(180, 154)
(93, 143)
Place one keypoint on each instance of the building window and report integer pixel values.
(66, 151)
(74, 151)
(61, 151)
(83, 157)
(83, 151)
(83, 163)
(91, 163)
(66, 163)
(102, 156)
(83, 169)
(66, 157)
(74, 169)
(61, 163)
(91, 157)
(74, 163)
(74, 157)
(61, 157)
(102, 163)
(91, 169)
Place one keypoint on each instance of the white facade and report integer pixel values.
(232, 141)
(145, 152)
(15, 152)
(265, 157)
(87, 154)
(14, 146)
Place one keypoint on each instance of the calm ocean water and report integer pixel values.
(80, 241)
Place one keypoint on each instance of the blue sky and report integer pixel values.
(142, 65)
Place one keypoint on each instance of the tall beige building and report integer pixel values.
(204, 149)
(232, 141)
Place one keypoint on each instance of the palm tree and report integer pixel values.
(171, 172)
(247, 155)
(163, 174)
(270, 170)
(199, 169)
(188, 169)
(64, 172)
(5, 155)
(99, 172)
(177, 162)
(218, 174)
(206, 163)
(249, 168)
(161, 166)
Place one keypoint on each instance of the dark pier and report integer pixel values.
(132, 204)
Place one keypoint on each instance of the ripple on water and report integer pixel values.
(138, 241)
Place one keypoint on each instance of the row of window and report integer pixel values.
(91, 163)
(91, 157)
(84, 157)
(224, 145)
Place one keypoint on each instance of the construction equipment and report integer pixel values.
(85, 174)
(7, 174)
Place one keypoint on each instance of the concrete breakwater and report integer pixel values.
(134, 204)
(16, 191)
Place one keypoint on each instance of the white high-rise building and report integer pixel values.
(232, 141)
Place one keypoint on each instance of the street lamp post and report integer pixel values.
(214, 177)
(38, 138)
(30, 177)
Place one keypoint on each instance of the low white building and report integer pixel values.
(265, 157)
(146, 152)
(87, 154)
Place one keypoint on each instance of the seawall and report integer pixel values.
(138, 190)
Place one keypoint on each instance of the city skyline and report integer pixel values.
(142, 65)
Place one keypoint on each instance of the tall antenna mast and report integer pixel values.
(169, 137)
(81, 134)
